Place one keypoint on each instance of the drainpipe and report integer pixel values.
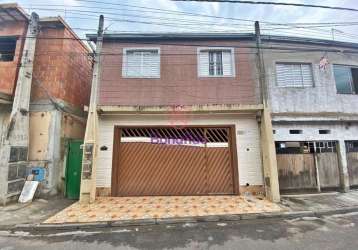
(90, 147)
(267, 141)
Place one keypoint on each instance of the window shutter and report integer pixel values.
(283, 75)
(227, 63)
(133, 63)
(294, 75)
(203, 63)
(307, 77)
(141, 63)
(151, 64)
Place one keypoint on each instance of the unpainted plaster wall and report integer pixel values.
(322, 97)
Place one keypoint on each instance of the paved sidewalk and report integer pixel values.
(125, 211)
(320, 202)
(33, 212)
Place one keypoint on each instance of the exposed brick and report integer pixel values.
(62, 67)
(8, 70)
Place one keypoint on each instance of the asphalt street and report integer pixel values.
(332, 232)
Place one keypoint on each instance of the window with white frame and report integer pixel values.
(141, 63)
(216, 62)
(294, 75)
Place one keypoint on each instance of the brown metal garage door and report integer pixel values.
(173, 161)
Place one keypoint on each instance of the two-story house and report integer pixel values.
(179, 114)
(60, 89)
(313, 87)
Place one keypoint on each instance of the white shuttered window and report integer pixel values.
(141, 63)
(215, 62)
(294, 75)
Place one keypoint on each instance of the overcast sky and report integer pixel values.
(119, 18)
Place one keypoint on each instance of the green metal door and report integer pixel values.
(73, 169)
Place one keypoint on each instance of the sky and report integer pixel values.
(168, 16)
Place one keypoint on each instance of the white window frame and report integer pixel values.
(124, 61)
(296, 63)
(232, 52)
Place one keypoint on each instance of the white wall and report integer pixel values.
(247, 131)
(339, 131)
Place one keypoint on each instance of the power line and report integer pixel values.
(188, 24)
(162, 11)
(196, 23)
(169, 11)
(177, 25)
(139, 16)
(321, 24)
(274, 3)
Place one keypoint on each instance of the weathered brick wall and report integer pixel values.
(179, 83)
(8, 70)
(48, 65)
(77, 87)
(62, 67)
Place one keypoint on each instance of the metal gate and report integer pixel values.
(352, 162)
(307, 165)
(173, 161)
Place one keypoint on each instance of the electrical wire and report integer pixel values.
(191, 14)
(275, 3)
(192, 22)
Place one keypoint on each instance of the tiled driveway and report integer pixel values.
(132, 208)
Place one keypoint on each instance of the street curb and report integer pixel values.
(182, 220)
(336, 211)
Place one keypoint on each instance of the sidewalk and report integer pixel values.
(31, 213)
(320, 202)
(117, 211)
(129, 211)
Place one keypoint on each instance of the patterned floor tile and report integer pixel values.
(128, 208)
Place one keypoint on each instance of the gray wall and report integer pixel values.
(4, 115)
(322, 97)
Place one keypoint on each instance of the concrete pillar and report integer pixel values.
(269, 158)
(343, 167)
(15, 140)
(90, 147)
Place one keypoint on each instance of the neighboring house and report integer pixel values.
(13, 26)
(59, 91)
(179, 114)
(313, 96)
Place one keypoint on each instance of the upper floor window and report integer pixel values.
(346, 79)
(7, 49)
(216, 62)
(141, 63)
(294, 75)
